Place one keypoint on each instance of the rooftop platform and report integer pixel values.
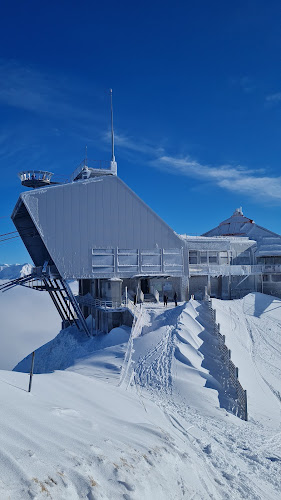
(93, 168)
(36, 178)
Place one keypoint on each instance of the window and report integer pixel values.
(276, 278)
(203, 257)
(243, 258)
(223, 258)
(213, 258)
(193, 257)
(266, 277)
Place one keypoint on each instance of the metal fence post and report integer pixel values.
(246, 406)
(31, 371)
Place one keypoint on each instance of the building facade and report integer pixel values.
(96, 230)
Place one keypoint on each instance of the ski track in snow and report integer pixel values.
(154, 372)
(161, 434)
(154, 369)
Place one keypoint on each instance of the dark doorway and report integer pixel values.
(145, 285)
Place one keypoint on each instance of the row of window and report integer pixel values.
(269, 260)
(222, 258)
(203, 257)
(275, 278)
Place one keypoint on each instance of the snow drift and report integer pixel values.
(155, 428)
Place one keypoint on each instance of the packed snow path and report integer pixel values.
(162, 435)
(184, 358)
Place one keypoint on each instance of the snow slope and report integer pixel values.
(252, 327)
(144, 418)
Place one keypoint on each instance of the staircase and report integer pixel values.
(149, 297)
(60, 293)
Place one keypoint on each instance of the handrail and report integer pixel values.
(135, 332)
(91, 164)
(91, 302)
(225, 270)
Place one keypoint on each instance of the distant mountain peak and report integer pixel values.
(13, 271)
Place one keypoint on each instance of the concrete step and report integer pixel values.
(149, 297)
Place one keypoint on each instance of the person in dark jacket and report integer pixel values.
(176, 299)
(165, 300)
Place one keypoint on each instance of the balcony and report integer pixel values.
(226, 270)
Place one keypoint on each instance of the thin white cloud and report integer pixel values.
(27, 88)
(274, 98)
(258, 187)
(129, 143)
(237, 179)
(244, 82)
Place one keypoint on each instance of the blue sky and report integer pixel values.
(197, 103)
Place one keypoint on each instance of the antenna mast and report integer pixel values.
(113, 162)
(112, 131)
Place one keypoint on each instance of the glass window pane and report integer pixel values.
(203, 257)
(193, 257)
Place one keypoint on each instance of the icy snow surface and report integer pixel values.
(252, 326)
(156, 428)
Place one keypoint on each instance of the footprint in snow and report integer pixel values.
(65, 411)
(128, 486)
(208, 449)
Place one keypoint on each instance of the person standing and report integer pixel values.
(176, 299)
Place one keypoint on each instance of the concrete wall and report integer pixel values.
(197, 286)
(106, 320)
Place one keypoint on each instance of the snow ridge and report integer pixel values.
(164, 434)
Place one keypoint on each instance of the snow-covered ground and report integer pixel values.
(144, 417)
(252, 327)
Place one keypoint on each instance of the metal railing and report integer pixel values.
(271, 268)
(87, 300)
(91, 164)
(42, 175)
(224, 270)
(136, 330)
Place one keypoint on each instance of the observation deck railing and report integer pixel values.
(98, 165)
(225, 270)
(87, 300)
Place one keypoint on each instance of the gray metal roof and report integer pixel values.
(73, 219)
(268, 243)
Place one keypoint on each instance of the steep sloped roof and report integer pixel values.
(268, 243)
(101, 212)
